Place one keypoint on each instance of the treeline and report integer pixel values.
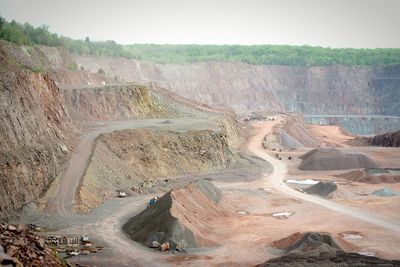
(26, 34)
(265, 54)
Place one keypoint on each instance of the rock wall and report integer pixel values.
(34, 136)
(244, 87)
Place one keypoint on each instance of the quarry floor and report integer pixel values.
(244, 236)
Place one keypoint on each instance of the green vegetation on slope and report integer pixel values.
(26, 34)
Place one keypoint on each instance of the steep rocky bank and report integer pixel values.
(391, 139)
(138, 161)
(127, 101)
(35, 134)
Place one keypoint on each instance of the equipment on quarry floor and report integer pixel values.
(85, 237)
(121, 194)
(153, 201)
(34, 226)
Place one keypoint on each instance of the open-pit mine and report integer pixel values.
(120, 162)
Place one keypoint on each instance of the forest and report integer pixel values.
(28, 35)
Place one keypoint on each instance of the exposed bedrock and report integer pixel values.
(138, 161)
(35, 136)
(308, 90)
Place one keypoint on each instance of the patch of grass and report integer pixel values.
(37, 69)
(72, 66)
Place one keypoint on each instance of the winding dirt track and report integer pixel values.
(61, 203)
(126, 252)
(279, 172)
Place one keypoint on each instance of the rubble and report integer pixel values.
(21, 247)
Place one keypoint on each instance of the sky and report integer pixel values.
(327, 23)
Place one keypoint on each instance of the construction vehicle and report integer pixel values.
(153, 201)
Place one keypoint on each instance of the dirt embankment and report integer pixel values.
(391, 139)
(35, 134)
(138, 161)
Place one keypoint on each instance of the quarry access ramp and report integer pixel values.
(60, 204)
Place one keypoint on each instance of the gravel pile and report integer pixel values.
(323, 189)
(322, 159)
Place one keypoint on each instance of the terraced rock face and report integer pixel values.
(244, 87)
(309, 90)
(35, 135)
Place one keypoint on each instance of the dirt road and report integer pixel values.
(61, 203)
(105, 224)
(280, 170)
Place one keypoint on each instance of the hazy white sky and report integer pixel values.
(333, 23)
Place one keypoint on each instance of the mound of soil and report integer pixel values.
(391, 139)
(321, 159)
(385, 192)
(165, 221)
(322, 189)
(371, 176)
(319, 249)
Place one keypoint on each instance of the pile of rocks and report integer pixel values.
(21, 247)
